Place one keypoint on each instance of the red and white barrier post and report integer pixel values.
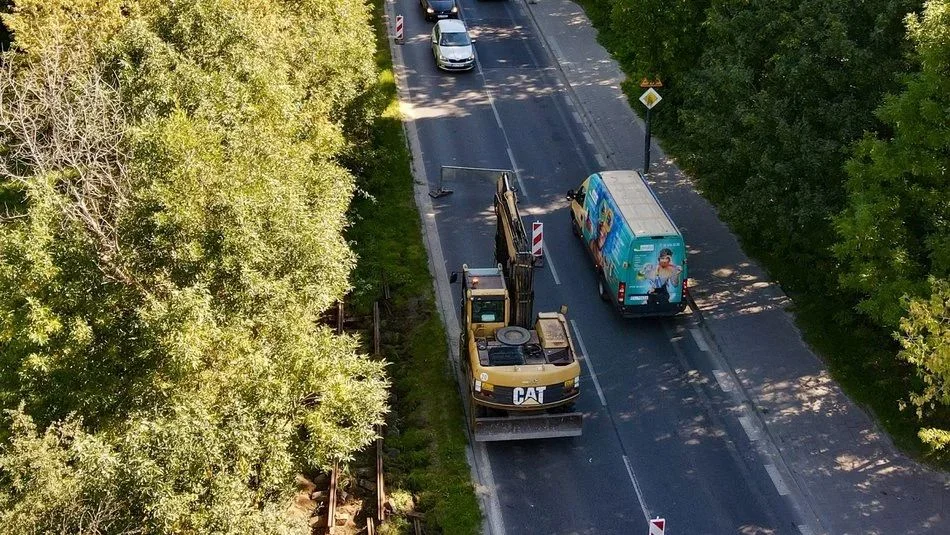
(537, 242)
(399, 27)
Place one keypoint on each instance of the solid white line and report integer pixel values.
(725, 382)
(550, 263)
(636, 488)
(587, 138)
(590, 365)
(600, 161)
(698, 338)
(750, 429)
(777, 480)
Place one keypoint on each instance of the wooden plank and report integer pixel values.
(380, 489)
(331, 504)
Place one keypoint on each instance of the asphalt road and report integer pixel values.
(660, 439)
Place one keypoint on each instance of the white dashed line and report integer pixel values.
(750, 430)
(698, 338)
(577, 117)
(590, 365)
(724, 380)
(805, 530)
(600, 161)
(777, 480)
(587, 138)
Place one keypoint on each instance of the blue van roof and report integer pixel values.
(640, 207)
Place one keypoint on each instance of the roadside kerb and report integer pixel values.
(475, 455)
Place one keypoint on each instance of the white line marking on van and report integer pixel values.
(550, 263)
(725, 382)
(636, 488)
(698, 338)
(587, 138)
(600, 161)
(590, 365)
(777, 480)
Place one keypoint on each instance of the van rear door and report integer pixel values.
(658, 269)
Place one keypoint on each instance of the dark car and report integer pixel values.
(439, 9)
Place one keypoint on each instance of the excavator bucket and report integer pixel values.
(527, 427)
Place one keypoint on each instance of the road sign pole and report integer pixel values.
(646, 146)
(649, 99)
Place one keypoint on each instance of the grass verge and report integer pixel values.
(860, 357)
(425, 440)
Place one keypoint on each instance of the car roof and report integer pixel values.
(451, 25)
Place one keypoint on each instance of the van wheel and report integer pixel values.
(602, 288)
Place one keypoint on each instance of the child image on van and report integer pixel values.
(604, 224)
(664, 277)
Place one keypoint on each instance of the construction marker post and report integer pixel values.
(657, 526)
(537, 242)
(399, 29)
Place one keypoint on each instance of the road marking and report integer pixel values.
(636, 488)
(569, 100)
(725, 382)
(577, 117)
(698, 338)
(805, 530)
(750, 429)
(550, 263)
(777, 480)
(600, 161)
(590, 365)
(588, 139)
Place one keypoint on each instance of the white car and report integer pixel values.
(451, 46)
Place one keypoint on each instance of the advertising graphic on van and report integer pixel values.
(658, 273)
(633, 242)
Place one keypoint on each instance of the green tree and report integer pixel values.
(895, 230)
(925, 341)
(180, 237)
(768, 117)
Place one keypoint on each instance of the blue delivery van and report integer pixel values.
(638, 251)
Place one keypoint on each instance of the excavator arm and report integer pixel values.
(513, 252)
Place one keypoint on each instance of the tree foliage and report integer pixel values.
(925, 341)
(895, 230)
(162, 281)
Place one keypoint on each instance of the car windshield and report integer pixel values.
(442, 5)
(454, 39)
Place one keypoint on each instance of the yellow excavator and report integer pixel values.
(522, 370)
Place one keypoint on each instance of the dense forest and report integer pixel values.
(172, 231)
(821, 130)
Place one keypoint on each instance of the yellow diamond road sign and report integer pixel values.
(650, 98)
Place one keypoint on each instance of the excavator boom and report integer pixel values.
(513, 252)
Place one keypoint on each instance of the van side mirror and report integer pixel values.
(454, 277)
(434, 40)
(570, 195)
